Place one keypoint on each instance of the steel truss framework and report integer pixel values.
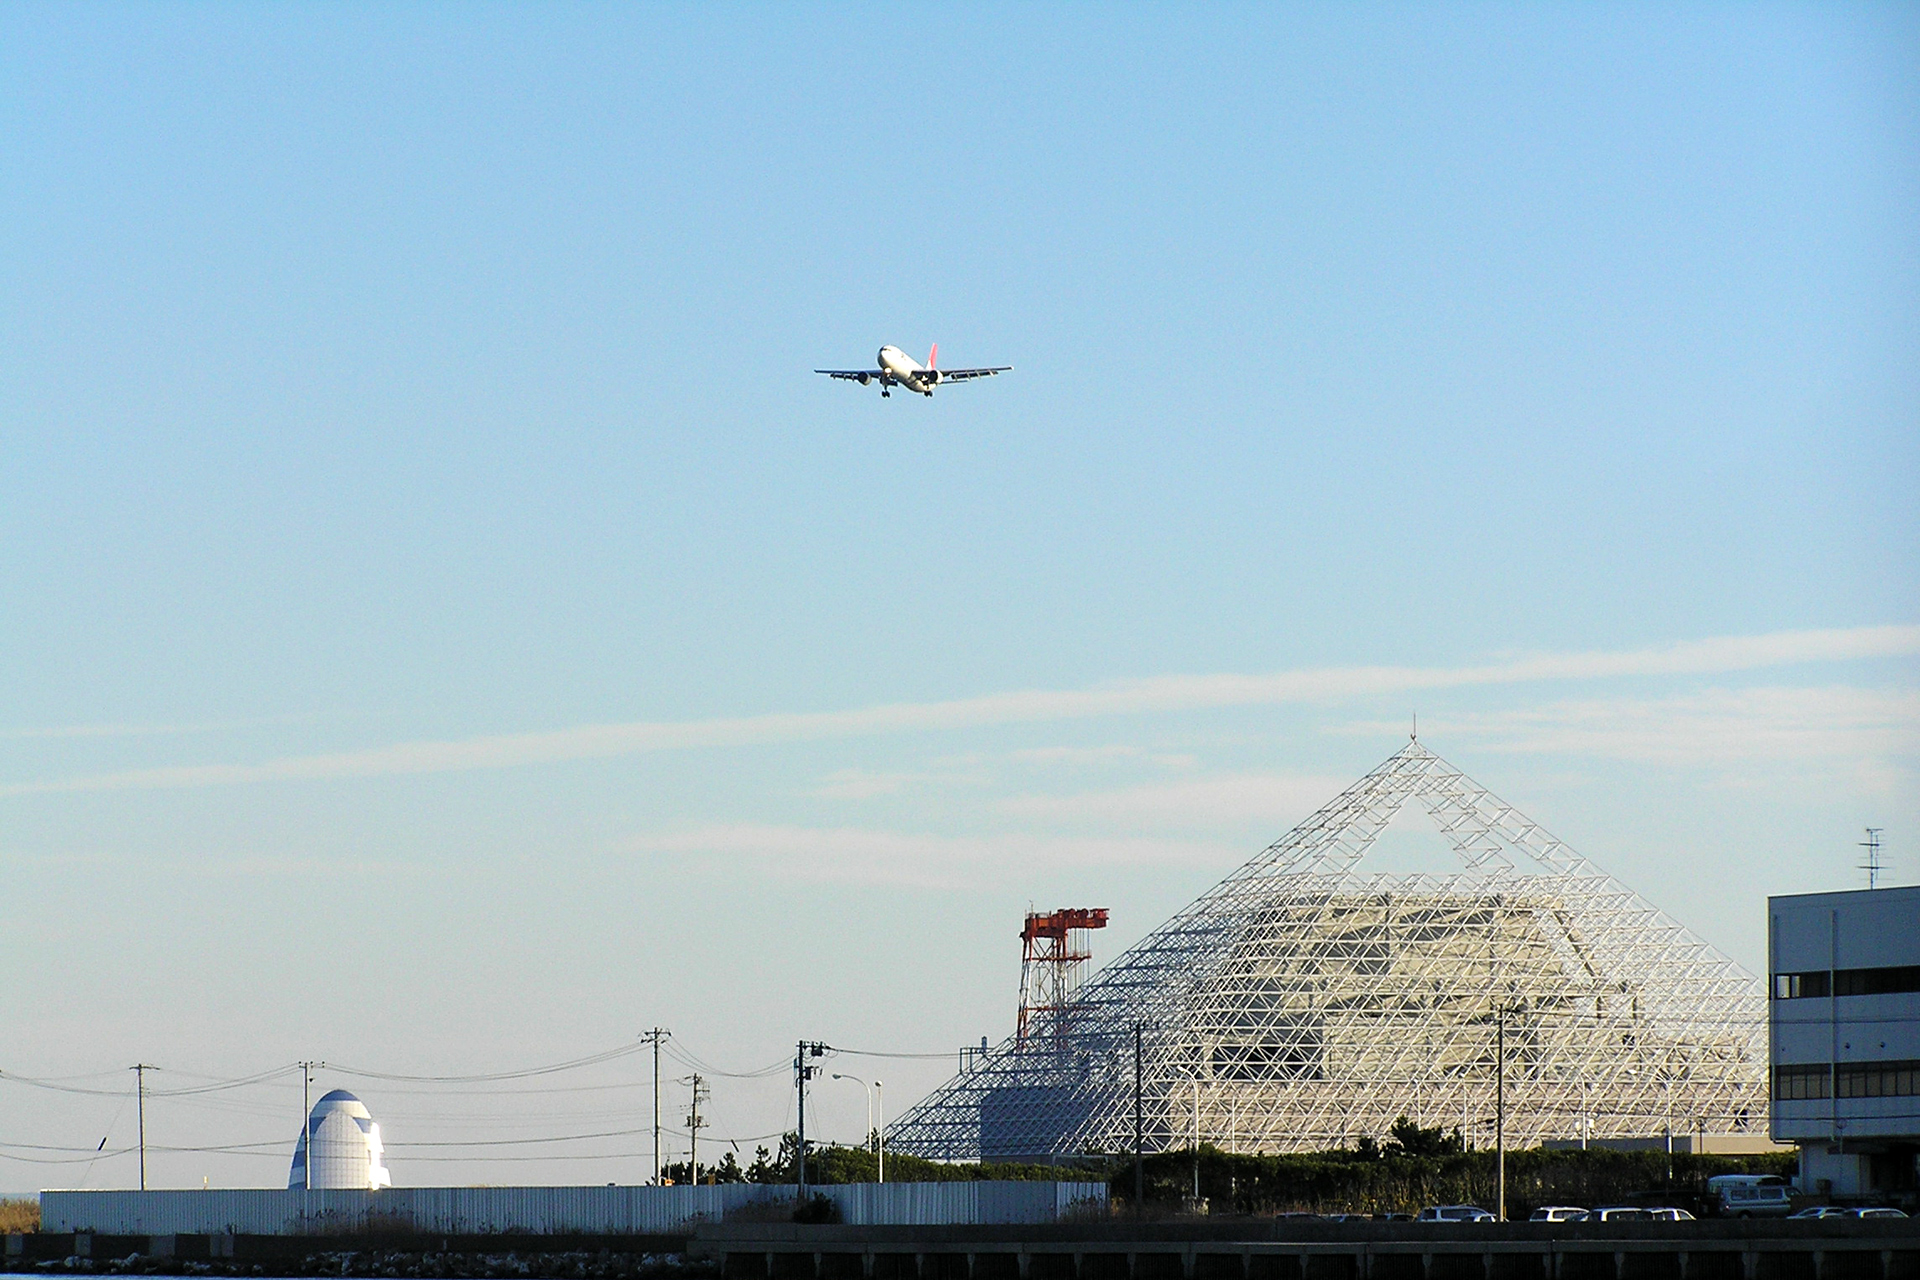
(1299, 1005)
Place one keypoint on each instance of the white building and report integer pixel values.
(1846, 1038)
(344, 1145)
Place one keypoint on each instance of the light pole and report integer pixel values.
(1500, 1102)
(1666, 1091)
(1586, 1108)
(879, 1142)
(1139, 1125)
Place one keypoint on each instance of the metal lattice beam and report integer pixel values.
(1299, 1004)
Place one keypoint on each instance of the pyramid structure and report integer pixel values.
(1301, 1004)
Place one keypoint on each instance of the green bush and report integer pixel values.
(816, 1209)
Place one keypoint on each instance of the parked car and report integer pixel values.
(1879, 1213)
(1558, 1213)
(1749, 1195)
(1669, 1214)
(1823, 1211)
(1454, 1213)
(1349, 1217)
(1393, 1217)
(1618, 1213)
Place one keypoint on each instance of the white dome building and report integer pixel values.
(345, 1146)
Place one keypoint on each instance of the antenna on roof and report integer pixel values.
(1872, 865)
(1415, 737)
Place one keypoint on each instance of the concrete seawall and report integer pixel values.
(1255, 1249)
(1244, 1249)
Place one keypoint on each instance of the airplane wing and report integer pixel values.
(856, 375)
(961, 375)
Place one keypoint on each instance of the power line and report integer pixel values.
(55, 1084)
(527, 1073)
(688, 1058)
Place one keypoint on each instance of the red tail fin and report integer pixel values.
(933, 355)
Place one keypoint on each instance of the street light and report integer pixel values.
(1586, 1110)
(879, 1134)
(1666, 1093)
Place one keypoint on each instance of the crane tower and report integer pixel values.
(1054, 951)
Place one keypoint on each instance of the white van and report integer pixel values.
(1454, 1213)
(1558, 1213)
(1749, 1195)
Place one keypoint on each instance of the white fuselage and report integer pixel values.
(908, 372)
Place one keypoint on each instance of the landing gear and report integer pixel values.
(884, 393)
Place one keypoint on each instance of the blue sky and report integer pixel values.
(392, 398)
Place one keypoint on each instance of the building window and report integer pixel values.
(1895, 1079)
(1809, 1080)
(1876, 982)
(1796, 986)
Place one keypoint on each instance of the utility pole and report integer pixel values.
(140, 1070)
(1500, 1110)
(1139, 1126)
(656, 1035)
(804, 1071)
(1196, 1138)
(306, 1128)
(694, 1125)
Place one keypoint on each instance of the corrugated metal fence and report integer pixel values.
(551, 1210)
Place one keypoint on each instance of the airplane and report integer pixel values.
(898, 369)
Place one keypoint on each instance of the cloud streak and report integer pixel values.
(1233, 798)
(843, 855)
(1718, 655)
(1712, 725)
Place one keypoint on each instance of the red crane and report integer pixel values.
(1054, 951)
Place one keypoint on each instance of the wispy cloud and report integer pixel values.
(1278, 798)
(84, 731)
(1159, 694)
(1712, 726)
(1109, 754)
(852, 856)
(864, 784)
